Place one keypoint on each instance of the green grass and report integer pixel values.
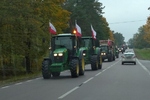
(143, 54)
(15, 79)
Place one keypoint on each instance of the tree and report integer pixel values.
(24, 26)
(139, 41)
(147, 30)
(88, 12)
(119, 39)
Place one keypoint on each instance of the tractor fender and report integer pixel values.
(80, 54)
(46, 58)
(98, 51)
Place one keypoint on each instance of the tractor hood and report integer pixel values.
(60, 50)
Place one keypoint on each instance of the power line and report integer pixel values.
(128, 21)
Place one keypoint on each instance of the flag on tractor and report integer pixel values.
(78, 29)
(52, 29)
(93, 33)
(109, 42)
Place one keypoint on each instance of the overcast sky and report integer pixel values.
(126, 16)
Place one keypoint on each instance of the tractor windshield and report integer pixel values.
(104, 48)
(86, 43)
(65, 42)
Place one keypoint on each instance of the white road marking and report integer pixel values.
(18, 83)
(38, 78)
(4, 87)
(143, 67)
(88, 80)
(98, 73)
(29, 80)
(67, 93)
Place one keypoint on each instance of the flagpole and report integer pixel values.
(49, 29)
(50, 34)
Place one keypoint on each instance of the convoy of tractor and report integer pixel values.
(70, 52)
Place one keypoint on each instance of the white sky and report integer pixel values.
(131, 13)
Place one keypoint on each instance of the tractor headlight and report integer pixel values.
(55, 54)
(84, 54)
(60, 54)
(103, 53)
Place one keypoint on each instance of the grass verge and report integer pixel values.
(15, 79)
(143, 54)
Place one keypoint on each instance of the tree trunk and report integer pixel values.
(28, 67)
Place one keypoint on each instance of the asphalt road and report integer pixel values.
(113, 82)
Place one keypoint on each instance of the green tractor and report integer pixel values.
(65, 54)
(92, 52)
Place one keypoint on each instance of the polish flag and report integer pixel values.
(78, 29)
(109, 42)
(93, 33)
(52, 29)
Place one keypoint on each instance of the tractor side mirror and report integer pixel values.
(100, 49)
(50, 48)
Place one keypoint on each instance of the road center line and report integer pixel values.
(143, 67)
(107, 68)
(69, 92)
(88, 80)
(61, 97)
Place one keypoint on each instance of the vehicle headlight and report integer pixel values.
(103, 53)
(60, 54)
(55, 54)
(84, 54)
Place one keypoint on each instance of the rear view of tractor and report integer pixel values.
(65, 54)
(92, 52)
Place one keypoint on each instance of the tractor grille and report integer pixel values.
(58, 59)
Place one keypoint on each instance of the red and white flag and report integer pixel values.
(109, 42)
(78, 29)
(93, 33)
(52, 29)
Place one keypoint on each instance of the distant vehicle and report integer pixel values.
(108, 50)
(128, 57)
(119, 49)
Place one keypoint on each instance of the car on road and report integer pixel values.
(128, 57)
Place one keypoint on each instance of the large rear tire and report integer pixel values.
(94, 62)
(82, 66)
(74, 68)
(45, 69)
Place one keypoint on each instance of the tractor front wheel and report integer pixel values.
(100, 62)
(82, 66)
(94, 62)
(45, 69)
(74, 68)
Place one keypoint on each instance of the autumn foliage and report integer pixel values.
(147, 30)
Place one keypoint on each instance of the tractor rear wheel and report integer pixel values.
(94, 62)
(45, 69)
(74, 68)
(56, 74)
(82, 66)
